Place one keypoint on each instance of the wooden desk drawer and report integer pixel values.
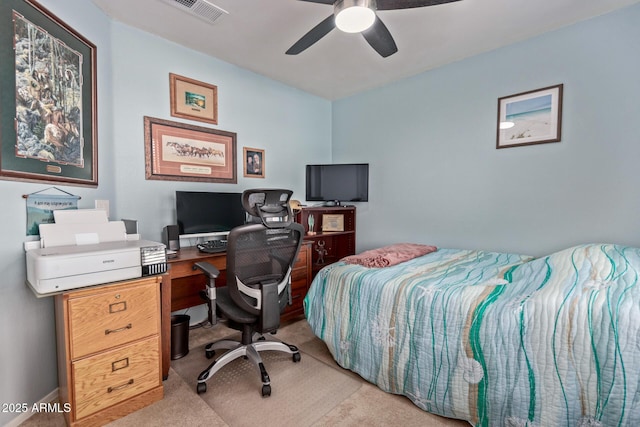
(299, 274)
(112, 317)
(303, 254)
(185, 269)
(297, 297)
(105, 379)
(299, 271)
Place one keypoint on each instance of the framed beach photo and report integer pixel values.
(528, 118)
(193, 99)
(181, 152)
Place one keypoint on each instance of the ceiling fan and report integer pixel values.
(359, 16)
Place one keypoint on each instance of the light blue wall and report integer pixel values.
(436, 176)
(28, 369)
(292, 127)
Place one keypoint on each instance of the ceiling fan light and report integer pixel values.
(354, 16)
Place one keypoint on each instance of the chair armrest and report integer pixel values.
(209, 294)
(208, 269)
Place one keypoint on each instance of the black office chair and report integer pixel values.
(260, 257)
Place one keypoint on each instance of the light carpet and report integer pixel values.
(301, 393)
(368, 405)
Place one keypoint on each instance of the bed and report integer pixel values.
(493, 338)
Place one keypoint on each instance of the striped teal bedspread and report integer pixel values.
(494, 339)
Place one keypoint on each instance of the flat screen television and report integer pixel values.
(338, 182)
(204, 214)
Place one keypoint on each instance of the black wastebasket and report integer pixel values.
(179, 336)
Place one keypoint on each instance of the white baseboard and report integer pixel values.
(24, 416)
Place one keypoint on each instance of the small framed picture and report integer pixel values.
(527, 118)
(253, 162)
(193, 99)
(332, 222)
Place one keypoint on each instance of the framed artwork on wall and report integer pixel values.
(181, 152)
(332, 222)
(192, 99)
(528, 118)
(253, 162)
(48, 120)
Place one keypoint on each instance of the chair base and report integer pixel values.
(235, 350)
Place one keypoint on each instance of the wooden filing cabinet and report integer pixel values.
(109, 350)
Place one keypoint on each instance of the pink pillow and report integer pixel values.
(387, 256)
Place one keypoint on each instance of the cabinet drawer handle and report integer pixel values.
(120, 387)
(109, 331)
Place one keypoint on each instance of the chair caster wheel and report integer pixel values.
(209, 353)
(266, 390)
(201, 388)
(296, 357)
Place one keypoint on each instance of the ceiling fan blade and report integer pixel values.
(380, 39)
(316, 33)
(321, 1)
(406, 4)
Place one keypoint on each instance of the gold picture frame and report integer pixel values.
(332, 222)
(253, 162)
(181, 152)
(193, 99)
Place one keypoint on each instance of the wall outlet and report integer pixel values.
(104, 205)
(32, 244)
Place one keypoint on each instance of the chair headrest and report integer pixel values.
(271, 206)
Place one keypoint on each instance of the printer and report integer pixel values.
(83, 248)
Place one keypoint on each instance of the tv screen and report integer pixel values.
(338, 182)
(202, 213)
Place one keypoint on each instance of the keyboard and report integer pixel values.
(213, 246)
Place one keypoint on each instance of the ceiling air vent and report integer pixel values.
(200, 8)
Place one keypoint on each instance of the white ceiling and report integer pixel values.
(256, 33)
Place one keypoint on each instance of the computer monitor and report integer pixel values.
(208, 214)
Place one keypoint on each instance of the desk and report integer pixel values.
(182, 284)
